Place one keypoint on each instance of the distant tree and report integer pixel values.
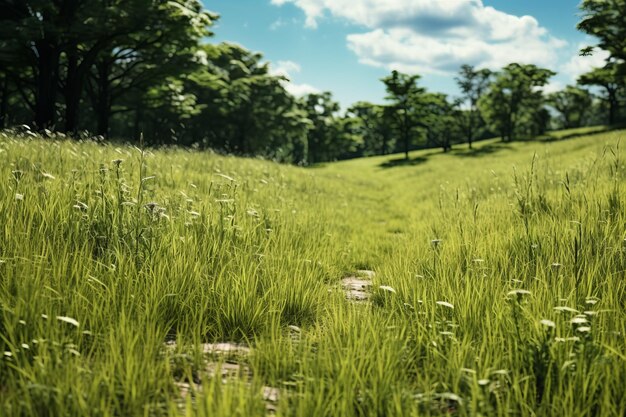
(442, 120)
(404, 95)
(573, 104)
(597, 114)
(514, 101)
(374, 126)
(348, 142)
(473, 83)
(243, 108)
(607, 78)
(322, 139)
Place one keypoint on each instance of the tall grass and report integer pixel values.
(507, 264)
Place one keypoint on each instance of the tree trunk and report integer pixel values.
(103, 106)
(612, 110)
(47, 79)
(406, 148)
(470, 133)
(72, 90)
(4, 101)
(138, 122)
(242, 140)
(406, 135)
(312, 149)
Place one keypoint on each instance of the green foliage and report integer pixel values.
(373, 125)
(513, 105)
(63, 41)
(473, 84)
(442, 121)
(573, 103)
(329, 136)
(122, 68)
(613, 86)
(404, 95)
(605, 21)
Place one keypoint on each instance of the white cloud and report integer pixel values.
(280, 22)
(436, 36)
(299, 90)
(286, 69)
(552, 87)
(578, 65)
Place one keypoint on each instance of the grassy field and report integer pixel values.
(499, 285)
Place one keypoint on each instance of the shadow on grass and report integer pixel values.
(475, 152)
(555, 136)
(481, 151)
(403, 162)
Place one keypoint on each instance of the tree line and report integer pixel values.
(123, 68)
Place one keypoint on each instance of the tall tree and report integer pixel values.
(30, 34)
(146, 58)
(243, 108)
(514, 100)
(322, 138)
(62, 40)
(607, 78)
(404, 95)
(473, 84)
(604, 19)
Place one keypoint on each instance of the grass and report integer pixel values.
(507, 266)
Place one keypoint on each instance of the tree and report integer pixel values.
(31, 37)
(514, 101)
(573, 104)
(147, 58)
(62, 40)
(607, 78)
(374, 126)
(605, 21)
(244, 109)
(404, 94)
(473, 84)
(441, 119)
(322, 137)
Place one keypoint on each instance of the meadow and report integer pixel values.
(497, 281)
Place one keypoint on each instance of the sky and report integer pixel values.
(346, 46)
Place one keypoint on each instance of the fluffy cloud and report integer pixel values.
(553, 87)
(286, 69)
(299, 90)
(578, 65)
(436, 36)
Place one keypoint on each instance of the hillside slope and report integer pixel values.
(495, 282)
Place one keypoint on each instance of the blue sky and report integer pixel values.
(346, 46)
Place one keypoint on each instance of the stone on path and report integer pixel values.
(356, 289)
(227, 371)
(225, 348)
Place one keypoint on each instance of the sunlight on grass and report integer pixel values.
(499, 283)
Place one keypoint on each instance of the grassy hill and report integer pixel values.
(494, 282)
